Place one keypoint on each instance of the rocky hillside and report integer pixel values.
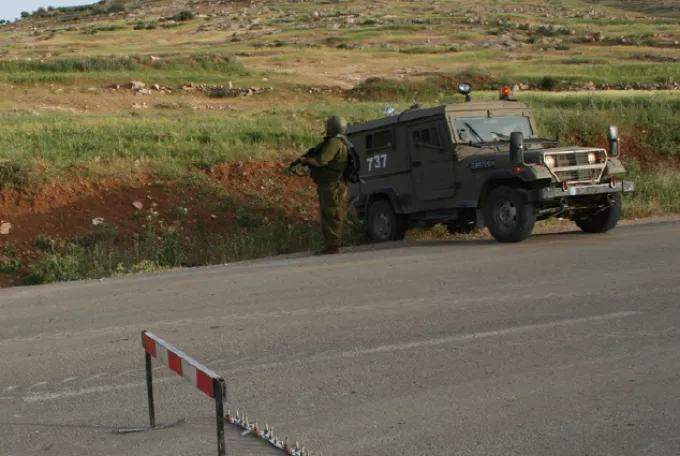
(657, 7)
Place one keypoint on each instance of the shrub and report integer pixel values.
(9, 265)
(548, 83)
(183, 16)
(55, 267)
(14, 175)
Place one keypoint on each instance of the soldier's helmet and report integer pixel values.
(336, 125)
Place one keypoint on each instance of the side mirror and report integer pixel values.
(614, 145)
(517, 148)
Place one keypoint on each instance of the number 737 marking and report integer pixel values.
(377, 162)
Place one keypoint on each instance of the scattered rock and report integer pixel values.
(5, 227)
(228, 91)
(97, 221)
(168, 106)
(136, 85)
(591, 86)
(138, 204)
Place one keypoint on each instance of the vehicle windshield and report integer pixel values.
(479, 129)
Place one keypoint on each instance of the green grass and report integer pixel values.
(171, 143)
(658, 192)
(169, 70)
(166, 142)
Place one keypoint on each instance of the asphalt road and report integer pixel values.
(561, 345)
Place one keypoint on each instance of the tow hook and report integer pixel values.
(610, 199)
(563, 204)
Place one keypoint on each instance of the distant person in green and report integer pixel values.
(327, 161)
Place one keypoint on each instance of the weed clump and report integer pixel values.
(14, 175)
(9, 263)
(184, 15)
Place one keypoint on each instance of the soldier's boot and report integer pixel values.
(330, 250)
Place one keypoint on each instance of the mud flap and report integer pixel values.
(479, 219)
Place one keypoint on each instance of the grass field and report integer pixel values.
(76, 141)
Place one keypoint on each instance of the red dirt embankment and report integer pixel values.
(66, 209)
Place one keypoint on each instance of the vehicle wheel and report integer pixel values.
(507, 216)
(604, 220)
(383, 224)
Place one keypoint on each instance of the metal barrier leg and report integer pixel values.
(219, 387)
(149, 390)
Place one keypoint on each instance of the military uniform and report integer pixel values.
(330, 157)
(331, 188)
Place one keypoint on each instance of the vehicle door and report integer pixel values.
(431, 160)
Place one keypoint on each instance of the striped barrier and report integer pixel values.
(204, 379)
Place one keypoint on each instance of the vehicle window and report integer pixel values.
(478, 129)
(378, 140)
(427, 136)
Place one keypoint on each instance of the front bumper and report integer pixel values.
(553, 193)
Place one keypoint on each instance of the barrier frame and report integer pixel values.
(203, 378)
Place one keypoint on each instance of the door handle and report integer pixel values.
(414, 164)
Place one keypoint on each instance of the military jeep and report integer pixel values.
(479, 164)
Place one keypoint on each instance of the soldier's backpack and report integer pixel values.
(351, 172)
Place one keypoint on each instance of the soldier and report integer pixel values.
(327, 162)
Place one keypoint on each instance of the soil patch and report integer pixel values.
(217, 201)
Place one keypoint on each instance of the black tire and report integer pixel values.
(602, 221)
(383, 224)
(507, 216)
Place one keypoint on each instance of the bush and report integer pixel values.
(548, 83)
(55, 267)
(116, 8)
(45, 243)
(9, 265)
(183, 16)
(14, 175)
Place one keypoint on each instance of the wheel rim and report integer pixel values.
(382, 225)
(506, 215)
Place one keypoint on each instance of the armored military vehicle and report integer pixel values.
(480, 164)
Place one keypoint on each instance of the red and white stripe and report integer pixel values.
(197, 374)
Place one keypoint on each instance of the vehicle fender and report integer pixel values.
(505, 177)
(390, 194)
(614, 166)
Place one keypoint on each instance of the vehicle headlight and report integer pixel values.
(592, 158)
(549, 160)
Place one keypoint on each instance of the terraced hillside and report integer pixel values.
(149, 134)
(659, 7)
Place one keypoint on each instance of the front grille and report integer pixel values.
(578, 175)
(573, 167)
(571, 159)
